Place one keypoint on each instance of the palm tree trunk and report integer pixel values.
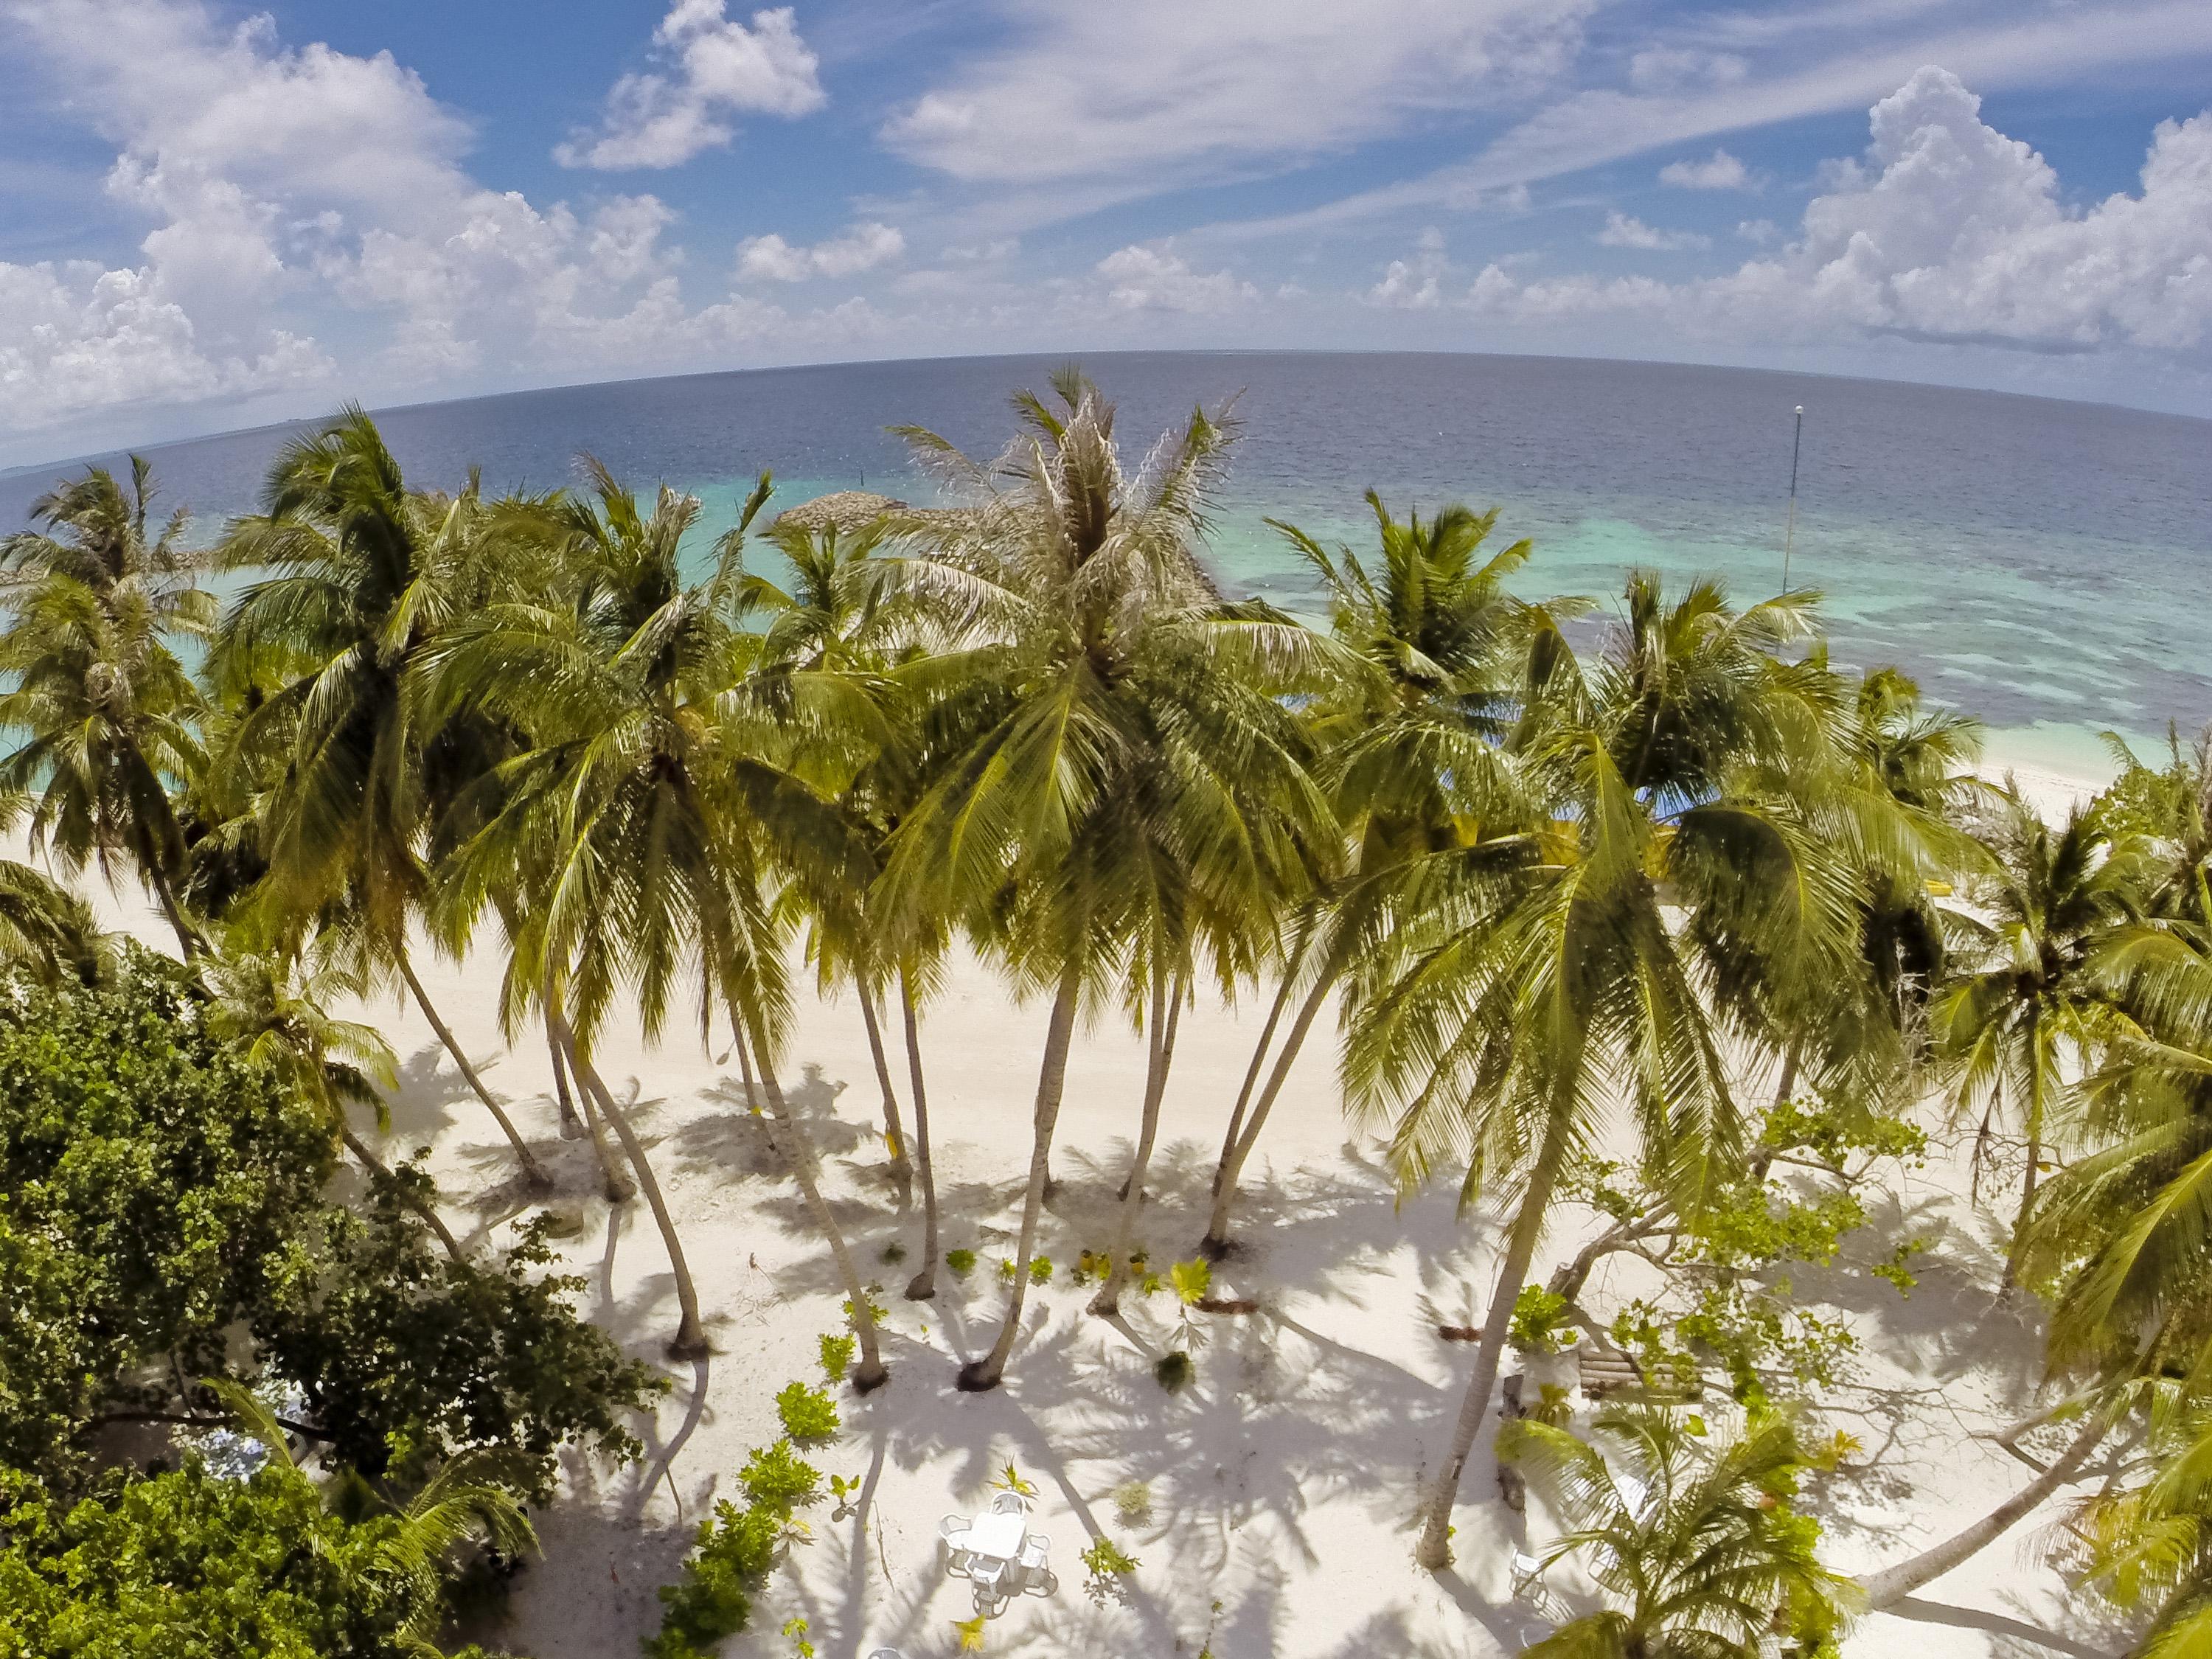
(421, 1207)
(571, 1127)
(894, 1137)
(923, 1285)
(690, 1342)
(615, 1183)
(533, 1172)
(1052, 1081)
(1252, 1073)
(2018, 1249)
(1894, 1584)
(165, 895)
(1215, 1244)
(1434, 1550)
(798, 1151)
(1167, 1012)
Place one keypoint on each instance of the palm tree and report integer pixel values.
(2032, 1012)
(1119, 706)
(96, 536)
(1534, 979)
(357, 576)
(277, 1010)
(645, 816)
(1409, 738)
(2148, 1539)
(819, 680)
(106, 710)
(1701, 1557)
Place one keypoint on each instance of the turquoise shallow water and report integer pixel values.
(2042, 564)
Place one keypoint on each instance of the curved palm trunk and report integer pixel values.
(1252, 1075)
(690, 1342)
(615, 1183)
(797, 1149)
(894, 1136)
(571, 1126)
(1215, 1244)
(165, 895)
(2018, 1249)
(423, 1207)
(1167, 1013)
(1052, 1081)
(533, 1172)
(923, 1285)
(1434, 1550)
(1894, 1584)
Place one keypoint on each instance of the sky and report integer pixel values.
(213, 215)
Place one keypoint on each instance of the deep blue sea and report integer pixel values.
(2042, 564)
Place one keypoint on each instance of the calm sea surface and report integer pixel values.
(2042, 564)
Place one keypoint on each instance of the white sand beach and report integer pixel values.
(1279, 1482)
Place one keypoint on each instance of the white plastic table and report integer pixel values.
(999, 1537)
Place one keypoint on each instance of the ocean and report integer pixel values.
(2039, 563)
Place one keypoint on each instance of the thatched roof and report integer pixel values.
(842, 509)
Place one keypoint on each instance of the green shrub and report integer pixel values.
(893, 1251)
(1541, 1322)
(1172, 1370)
(733, 1552)
(1133, 1501)
(776, 1478)
(1106, 1565)
(836, 1357)
(1041, 1270)
(962, 1262)
(808, 1413)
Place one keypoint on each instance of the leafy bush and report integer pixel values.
(732, 1553)
(1172, 1370)
(713, 1599)
(1041, 1270)
(808, 1413)
(1106, 1564)
(150, 1176)
(409, 1358)
(962, 1262)
(186, 1563)
(836, 1357)
(776, 1478)
(1133, 1501)
(1191, 1280)
(1541, 1322)
(893, 1251)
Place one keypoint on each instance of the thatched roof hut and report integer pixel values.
(842, 510)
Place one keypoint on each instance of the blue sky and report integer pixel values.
(212, 215)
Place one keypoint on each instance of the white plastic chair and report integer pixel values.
(952, 1534)
(1009, 1502)
(992, 1590)
(1035, 1567)
(1528, 1574)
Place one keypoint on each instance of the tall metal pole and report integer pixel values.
(1790, 536)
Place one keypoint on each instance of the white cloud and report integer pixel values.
(1624, 230)
(1415, 283)
(2005, 46)
(1949, 232)
(1719, 171)
(1147, 89)
(1157, 279)
(1667, 69)
(716, 68)
(74, 339)
(309, 222)
(861, 248)
(1759, 232)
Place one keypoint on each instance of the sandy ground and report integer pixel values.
(1279, 1482)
